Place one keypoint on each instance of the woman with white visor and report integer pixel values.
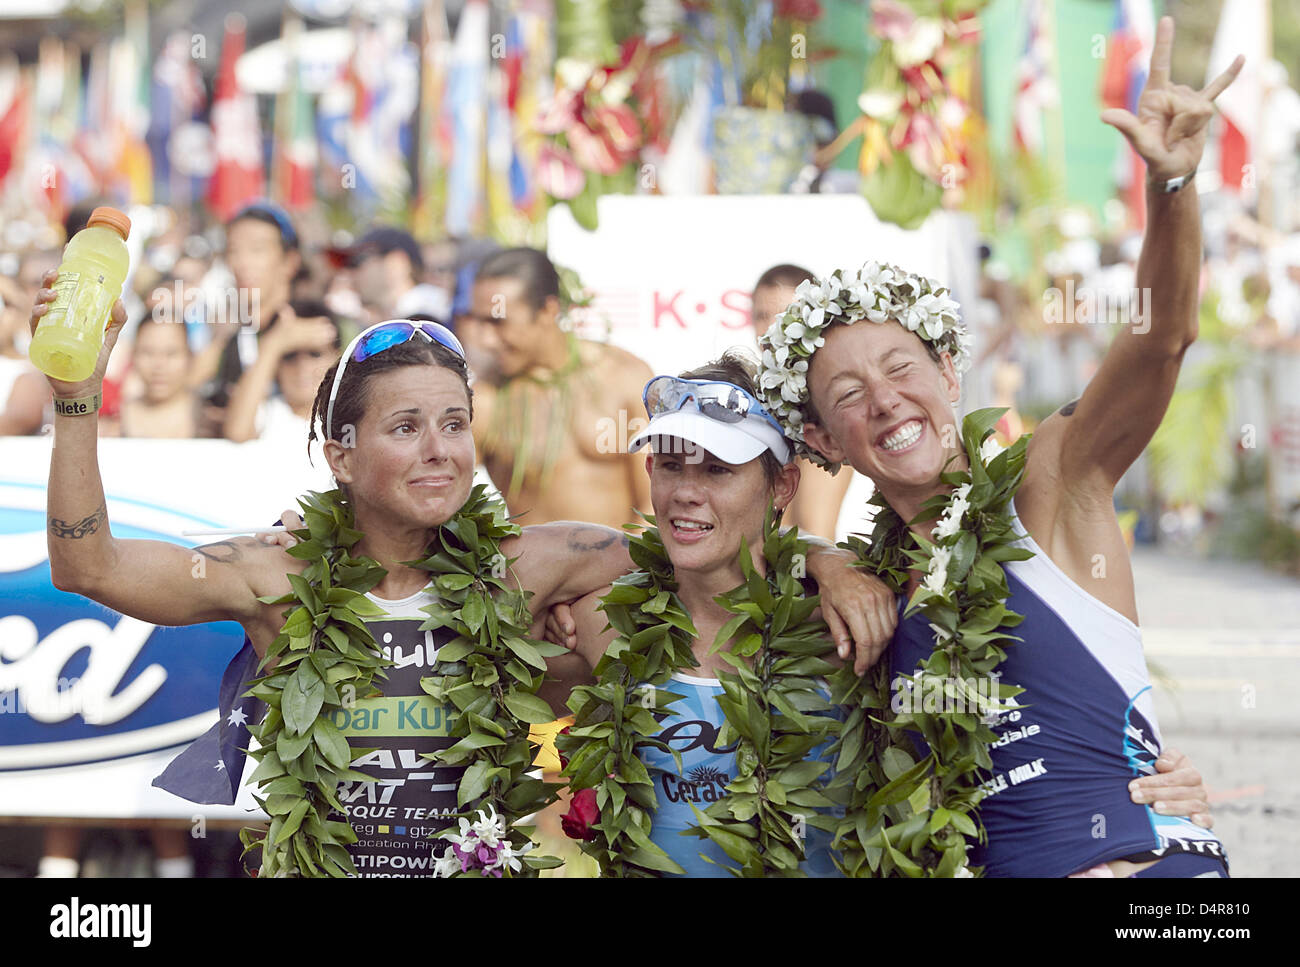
(706, 722)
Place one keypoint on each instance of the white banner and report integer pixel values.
(93, 705)
(673, 276)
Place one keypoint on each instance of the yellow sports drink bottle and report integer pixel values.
(71, 333)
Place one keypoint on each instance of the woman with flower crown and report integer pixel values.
(864, 369)
(720, 474)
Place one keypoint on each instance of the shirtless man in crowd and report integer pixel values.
(551, 423)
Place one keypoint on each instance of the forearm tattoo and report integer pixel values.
(76, 530)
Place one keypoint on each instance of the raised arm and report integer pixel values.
(1100, 436)
(151, 580)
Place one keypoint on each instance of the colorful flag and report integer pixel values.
(434, 140)
(237, 178)
(1035, 84)
(178, 96)
(1243, 29)
(13, 114)
(211, 768)
(530, 84)
(293, 156)
(498, 157)
(131, 105)
(1124, 75)
(467, 97)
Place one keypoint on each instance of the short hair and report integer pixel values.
(785, 275)
(528, 265)
(737, 367)
(150, 320)
(273, 215)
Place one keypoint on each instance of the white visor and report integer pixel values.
(733, 443)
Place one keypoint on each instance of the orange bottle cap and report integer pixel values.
(111, 218)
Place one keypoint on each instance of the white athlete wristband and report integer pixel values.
(81, 406)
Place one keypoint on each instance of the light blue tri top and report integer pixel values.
(706, 769)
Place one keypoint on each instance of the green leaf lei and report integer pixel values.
(907, 814)
(767, 705)
(326, 659)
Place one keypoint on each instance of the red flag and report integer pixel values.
(1243, 29)
(237, 137)
(13, 118)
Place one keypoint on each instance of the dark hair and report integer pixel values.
(77, 217)
(736, 367)
(149, 320)
(317, 309)
(784, 275)
(350, 404)
(530, 266)
(818, 106)
(271, 215)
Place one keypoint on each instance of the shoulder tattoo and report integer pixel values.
(1068, 408)
(588, 538)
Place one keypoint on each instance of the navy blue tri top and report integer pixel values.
(1057, 801)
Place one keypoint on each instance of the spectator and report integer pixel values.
(295, 356)
(25, 398)
(387, 265)
(539, 430)
(262, 254)
(166, 407)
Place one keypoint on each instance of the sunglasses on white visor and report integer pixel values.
(386, 335)
(711, 414)
(717, 400)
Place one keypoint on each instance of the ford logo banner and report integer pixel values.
(94, 705)
(80, 683)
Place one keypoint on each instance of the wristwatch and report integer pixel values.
(1173, 184)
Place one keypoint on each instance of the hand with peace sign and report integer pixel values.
(1172, 120)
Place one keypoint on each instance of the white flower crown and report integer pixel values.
(878, 293)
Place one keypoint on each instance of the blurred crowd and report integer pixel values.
(230, 328)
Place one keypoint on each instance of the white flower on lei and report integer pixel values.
(957, 509)
(990, 449)
(936, 578)
(941, 637)
(446, 865)
(490, 830)
(947, 527)
(935, 582)
(508, 857)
